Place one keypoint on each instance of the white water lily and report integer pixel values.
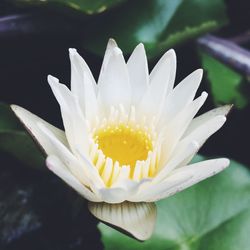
(128, 139)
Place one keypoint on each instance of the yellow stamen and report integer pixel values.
(124, 144)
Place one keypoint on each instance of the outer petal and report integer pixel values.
(83, 85)
(199, 172)
(138, 219)
(182, 95)
(123, 190)
(159, 72)
(73, 119)
(82, 170)
(138, 73)
(109, 50)
(189, 149)
(91, 104)
(78, 68)
(114, 88)
(152, 102)
(201, 134)
(56, 166)
(153, 190)
(65, 155)
(199, 120)
(30, 121)
(175, 129)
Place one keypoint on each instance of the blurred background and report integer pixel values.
(37, 211)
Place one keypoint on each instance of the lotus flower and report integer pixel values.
(128, 139)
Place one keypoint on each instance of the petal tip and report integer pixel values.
(72, 50)
(112, 43)
(226, 162)
(14, 107)
(52, 78)
(171, 52)
(204, 94)
(228, 108)
(141, 46)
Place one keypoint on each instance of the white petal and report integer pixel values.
(121, 190)
(203, 132)
(80, 171)
(56, 166)
(110, 46)
(83, 85)
(200, 135)
(181, 96)
(138, 73)
(91, 104)
(113, 195)
(152, 101)
(30, 121)
(177, 158)
(155, 190)
(114, 88)
(73, 119)
(78, 68)
(199, 120)
(138, 219)
(160, 71)
(199, 172)
(176, 128)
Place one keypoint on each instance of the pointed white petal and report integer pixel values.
(175, 129)
(199, 120)
(152, 101)
(204, 131)
(138, 73)
(70, 161)
(30, 121)
(155, 190)
(138, 219)
(83, 85)
(82, 169)
(181, 96)
(160, 71)
(73, 119)
(199, 172)
(90, 98)
(113, 195)
(114, 88)
(200, 135)
(110, 46)
(175, 161)
(123, 189)
(58, 168)
(78, 68)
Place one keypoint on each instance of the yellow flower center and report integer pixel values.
(124, 144)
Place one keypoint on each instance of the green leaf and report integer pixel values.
(85, 6)
(211, 215)
(226, 84)
(16, 141)
(159, 24)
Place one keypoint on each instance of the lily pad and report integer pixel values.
(211, 215)
(159, 24)
(85, 6)
(226, 84)
(16, 141)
